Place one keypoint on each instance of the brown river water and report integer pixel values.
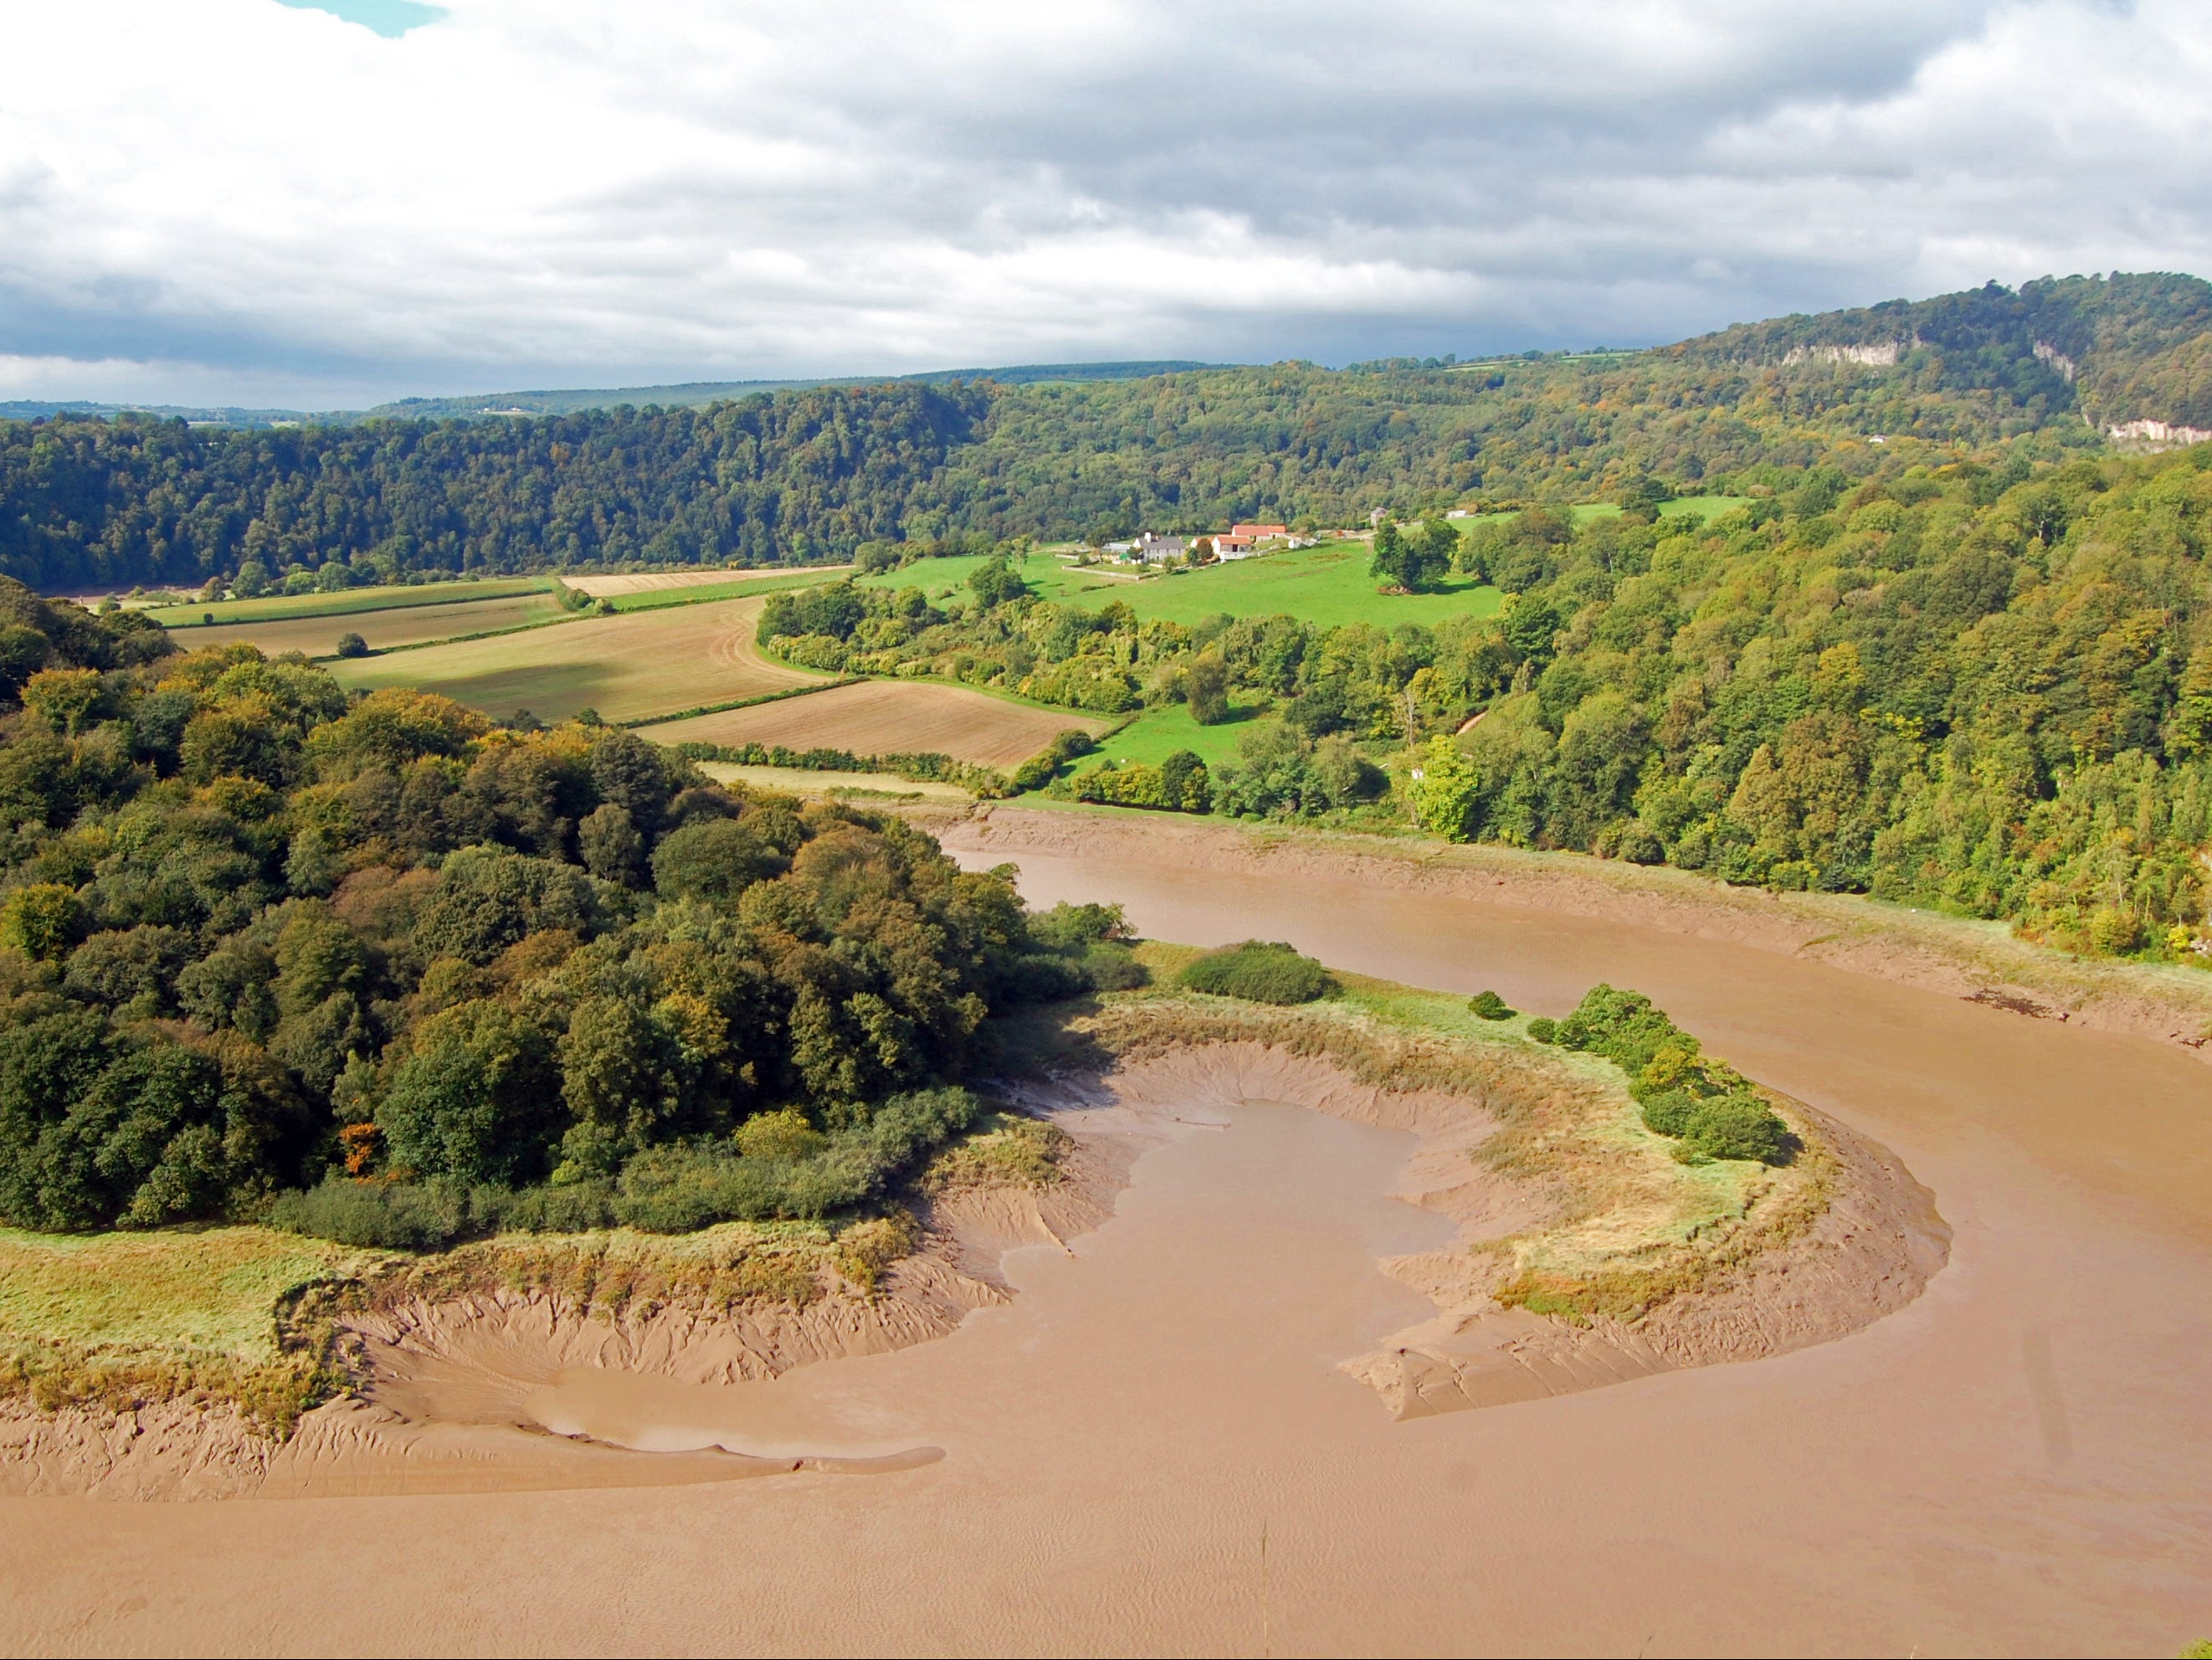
(1150, 1450)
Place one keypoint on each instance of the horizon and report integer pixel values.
(331, 205)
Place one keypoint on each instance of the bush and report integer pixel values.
(416, 1216)
(1739, 1125)
(352, 645)
(1490, 1005)
(1544, 1029)
(1041, 768)
(1260, 972)
(1178, 784)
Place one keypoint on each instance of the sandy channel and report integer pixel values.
(2017, 1461)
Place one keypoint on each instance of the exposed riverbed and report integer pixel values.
(2018, 1461)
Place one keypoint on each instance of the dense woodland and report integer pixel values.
(804, 474)
(255, 934)
(1985, 690)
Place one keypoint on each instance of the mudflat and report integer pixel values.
(1151, 1446)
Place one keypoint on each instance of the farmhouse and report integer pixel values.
(1258, 532)
(1232, 545)
(1154, 550)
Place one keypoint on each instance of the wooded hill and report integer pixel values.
(804, 474)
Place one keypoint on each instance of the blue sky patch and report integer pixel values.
(389, 18)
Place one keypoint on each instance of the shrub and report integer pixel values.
(352, 645)
(1739, 1125)
(1041, 768)
(415, 1216)
(1490, 1005)
(1544, 1029)
(1260, 972)
(1178, 784)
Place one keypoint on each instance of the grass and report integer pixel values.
(121, 1319)
(1158, 733)
(277, 608)
(1328, 585)
(627, 667)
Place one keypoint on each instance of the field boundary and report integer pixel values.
(635, 722)
(532, 585)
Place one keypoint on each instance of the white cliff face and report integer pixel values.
(1880, 354)
(2157, 434)
(2049, 354)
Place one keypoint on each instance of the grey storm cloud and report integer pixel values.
(240, 199)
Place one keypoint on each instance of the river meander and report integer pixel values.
(2020, 1460)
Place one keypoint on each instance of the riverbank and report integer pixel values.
(1980, 961)
(1585, 1253)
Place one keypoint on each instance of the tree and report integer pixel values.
(1445, 789)
(477, 1098)
(1206, 689)
(996, 583)
(352, 645)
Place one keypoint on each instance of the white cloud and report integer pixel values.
(248, 197)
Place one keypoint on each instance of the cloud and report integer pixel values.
(261, 202)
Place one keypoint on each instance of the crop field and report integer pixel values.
(888, 717)
(408, 625)
(659, 662)
(277, 608)
(609, 587)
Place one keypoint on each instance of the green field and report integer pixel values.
(1328, 585)
(1158, 733)
(278, 608)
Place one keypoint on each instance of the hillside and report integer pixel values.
(807, 474)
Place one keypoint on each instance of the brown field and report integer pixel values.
(653, 662)
(607, 587)
(890, 717)
(411, 625)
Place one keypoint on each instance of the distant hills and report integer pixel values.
(761, 473)
(2120, 349)
(688, 394)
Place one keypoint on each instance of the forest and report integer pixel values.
(805, 475)
(259, 937)
(1987, 689)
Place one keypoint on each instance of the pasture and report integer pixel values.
(348, 602)
(628, 668)
(1328, 585)
(405, 625)
(889, 717)
(1158, 733)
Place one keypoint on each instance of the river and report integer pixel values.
(1150, 1452)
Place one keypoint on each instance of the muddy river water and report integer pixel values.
(1149, 1451)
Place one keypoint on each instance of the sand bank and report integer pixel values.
(1857, 1239)
(1980, 961)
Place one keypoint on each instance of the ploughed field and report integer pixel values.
(889, 717)
(627, 667)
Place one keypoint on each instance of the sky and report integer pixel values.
(323, 206)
